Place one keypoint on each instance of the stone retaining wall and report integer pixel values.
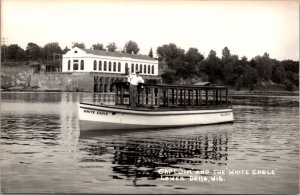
(12, 76)
(80, 82)
(63, 82)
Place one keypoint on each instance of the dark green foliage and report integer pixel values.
(290, 65)
(131, 47)
(33, 51)
(169, 52)
(14, 52)
(79, 45)
(239, 83)
(289, 86)
(64, 51)
(169, 77)
(178, 65)
(292, 71)
(192, 62)
(49, 49)
(264, 66)
(111, 47)
(150, 53)
(212, 66)
(4, 53)
(228, 70)
(249, 77)
(98, 46)
(278, 72)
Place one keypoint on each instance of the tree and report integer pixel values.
(33, 51)
(193, 56)
(212, 67)
(173, 57)
(131, 47)
(264, 66)
(50, 49)
(150, 53)
(228, 66)
(169, 52)
(111, 47)
(4, 53)
(79, 45)
(15, 52)
(193, 59)
(278, 73)
(98, 46)
(292, 71)
(226, 56)
(64, 51)
(249, 76)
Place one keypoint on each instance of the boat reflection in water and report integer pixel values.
(143, 157)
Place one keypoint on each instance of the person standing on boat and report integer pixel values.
(134, 80)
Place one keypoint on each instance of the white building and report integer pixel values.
(86, 60)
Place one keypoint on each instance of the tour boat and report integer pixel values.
(158, 106)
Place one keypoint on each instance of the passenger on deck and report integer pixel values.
(134, 80)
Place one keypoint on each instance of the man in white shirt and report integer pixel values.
(134, 80)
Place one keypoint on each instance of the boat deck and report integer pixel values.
(159, 109)
(173, 97)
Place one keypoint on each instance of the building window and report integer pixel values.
(126, 69)
(148, 69)
(75, 51)
(119, 67)
(104, 65)
(115, 67)
(152, 69)
(136, 67)
(75, 64)
(95, 65)
(145, 68)
(141, 68)
(100, 65)
(69, 64)
(109, 66)
(132, 68)
(81, 65)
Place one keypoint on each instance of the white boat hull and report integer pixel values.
(94, 117)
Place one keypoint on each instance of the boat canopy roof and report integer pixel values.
(119, 83)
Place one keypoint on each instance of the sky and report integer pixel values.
(247, 28)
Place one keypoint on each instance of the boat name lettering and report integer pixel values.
(95, 112)
(102, 113)
(225, 114)
(89, 111)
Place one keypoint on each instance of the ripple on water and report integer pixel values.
(44, 136)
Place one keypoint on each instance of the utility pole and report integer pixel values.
(3, 43)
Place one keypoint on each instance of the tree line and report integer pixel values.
(188, 67)
(178, 66)
(34, 52)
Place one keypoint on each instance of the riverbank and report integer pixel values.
(263, 93)
(232, 92)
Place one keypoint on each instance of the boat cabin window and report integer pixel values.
(173, 96)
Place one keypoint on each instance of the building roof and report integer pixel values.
(203, 83)
(117, 54)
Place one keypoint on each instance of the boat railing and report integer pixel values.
(161, 96)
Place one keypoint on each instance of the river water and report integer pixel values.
(43, 151)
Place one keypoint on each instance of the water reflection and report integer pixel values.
(258, 100)
(137, 158)
(30, 127)
(41, 129)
